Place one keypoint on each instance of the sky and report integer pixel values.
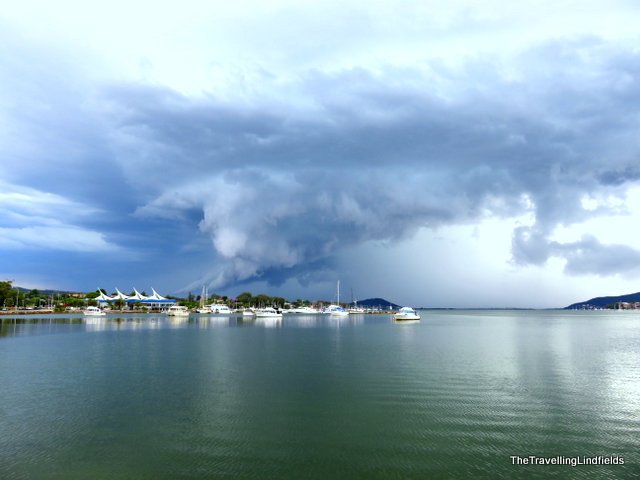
(436, 154)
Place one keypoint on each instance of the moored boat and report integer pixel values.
(93, 312)
(303, 311)
(406, 314)
(178, 311)
(219, 309)
(336, 310)
(267, 312)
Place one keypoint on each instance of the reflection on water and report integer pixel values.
(60, 323)
(452, 396)
(268, 322)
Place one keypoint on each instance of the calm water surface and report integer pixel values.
(454, 396)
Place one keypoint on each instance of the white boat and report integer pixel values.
(93, 312)
(355, 309)
(203, 308)
(304, 311)
(406, 314)
(248, 312)
(267, 312)
(219, 309)
(336, 310)
(178, 311)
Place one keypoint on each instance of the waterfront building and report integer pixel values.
(154, 301)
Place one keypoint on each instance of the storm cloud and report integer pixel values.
(254, 148)
(376, 155)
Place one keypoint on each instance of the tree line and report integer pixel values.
(11, 297)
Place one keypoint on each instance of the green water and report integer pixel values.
(454, 396)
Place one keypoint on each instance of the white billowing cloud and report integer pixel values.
(51, 237)
(28, 203)
(229, 48)
(33, 219)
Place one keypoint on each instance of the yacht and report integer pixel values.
(304, 311)
(406, 314)
(93, 312)
(178, 311)
(336, 310)
(267, 312)
(356, 310)
(204, 308)
(219, 309)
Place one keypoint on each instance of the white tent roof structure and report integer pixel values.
(138, 296)
(156, 295)
(156, 298)
(105, 298)
(121, 295)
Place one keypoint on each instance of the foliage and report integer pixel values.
(188, 304)
(35, 298)
(244, 299)
(7, 292)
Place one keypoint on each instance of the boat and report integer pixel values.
(304, 311)
(93, 312)
(355, 309)
(203, 308)
(267, 312)
(178, 311)
(248, 312)
(219, 309)
(336, 310)
(406, 314)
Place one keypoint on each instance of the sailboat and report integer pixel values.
(204, 308)
(336, 310)
(355, 309)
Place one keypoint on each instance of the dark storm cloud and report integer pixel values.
(358, 155)
(286, 176)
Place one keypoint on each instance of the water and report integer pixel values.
(454, 396)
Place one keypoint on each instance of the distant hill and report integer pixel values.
(601, 302)
(377, 303)
(43, 292)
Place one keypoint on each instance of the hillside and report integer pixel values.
(42, 292)
(601, 302)
(379, 303)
